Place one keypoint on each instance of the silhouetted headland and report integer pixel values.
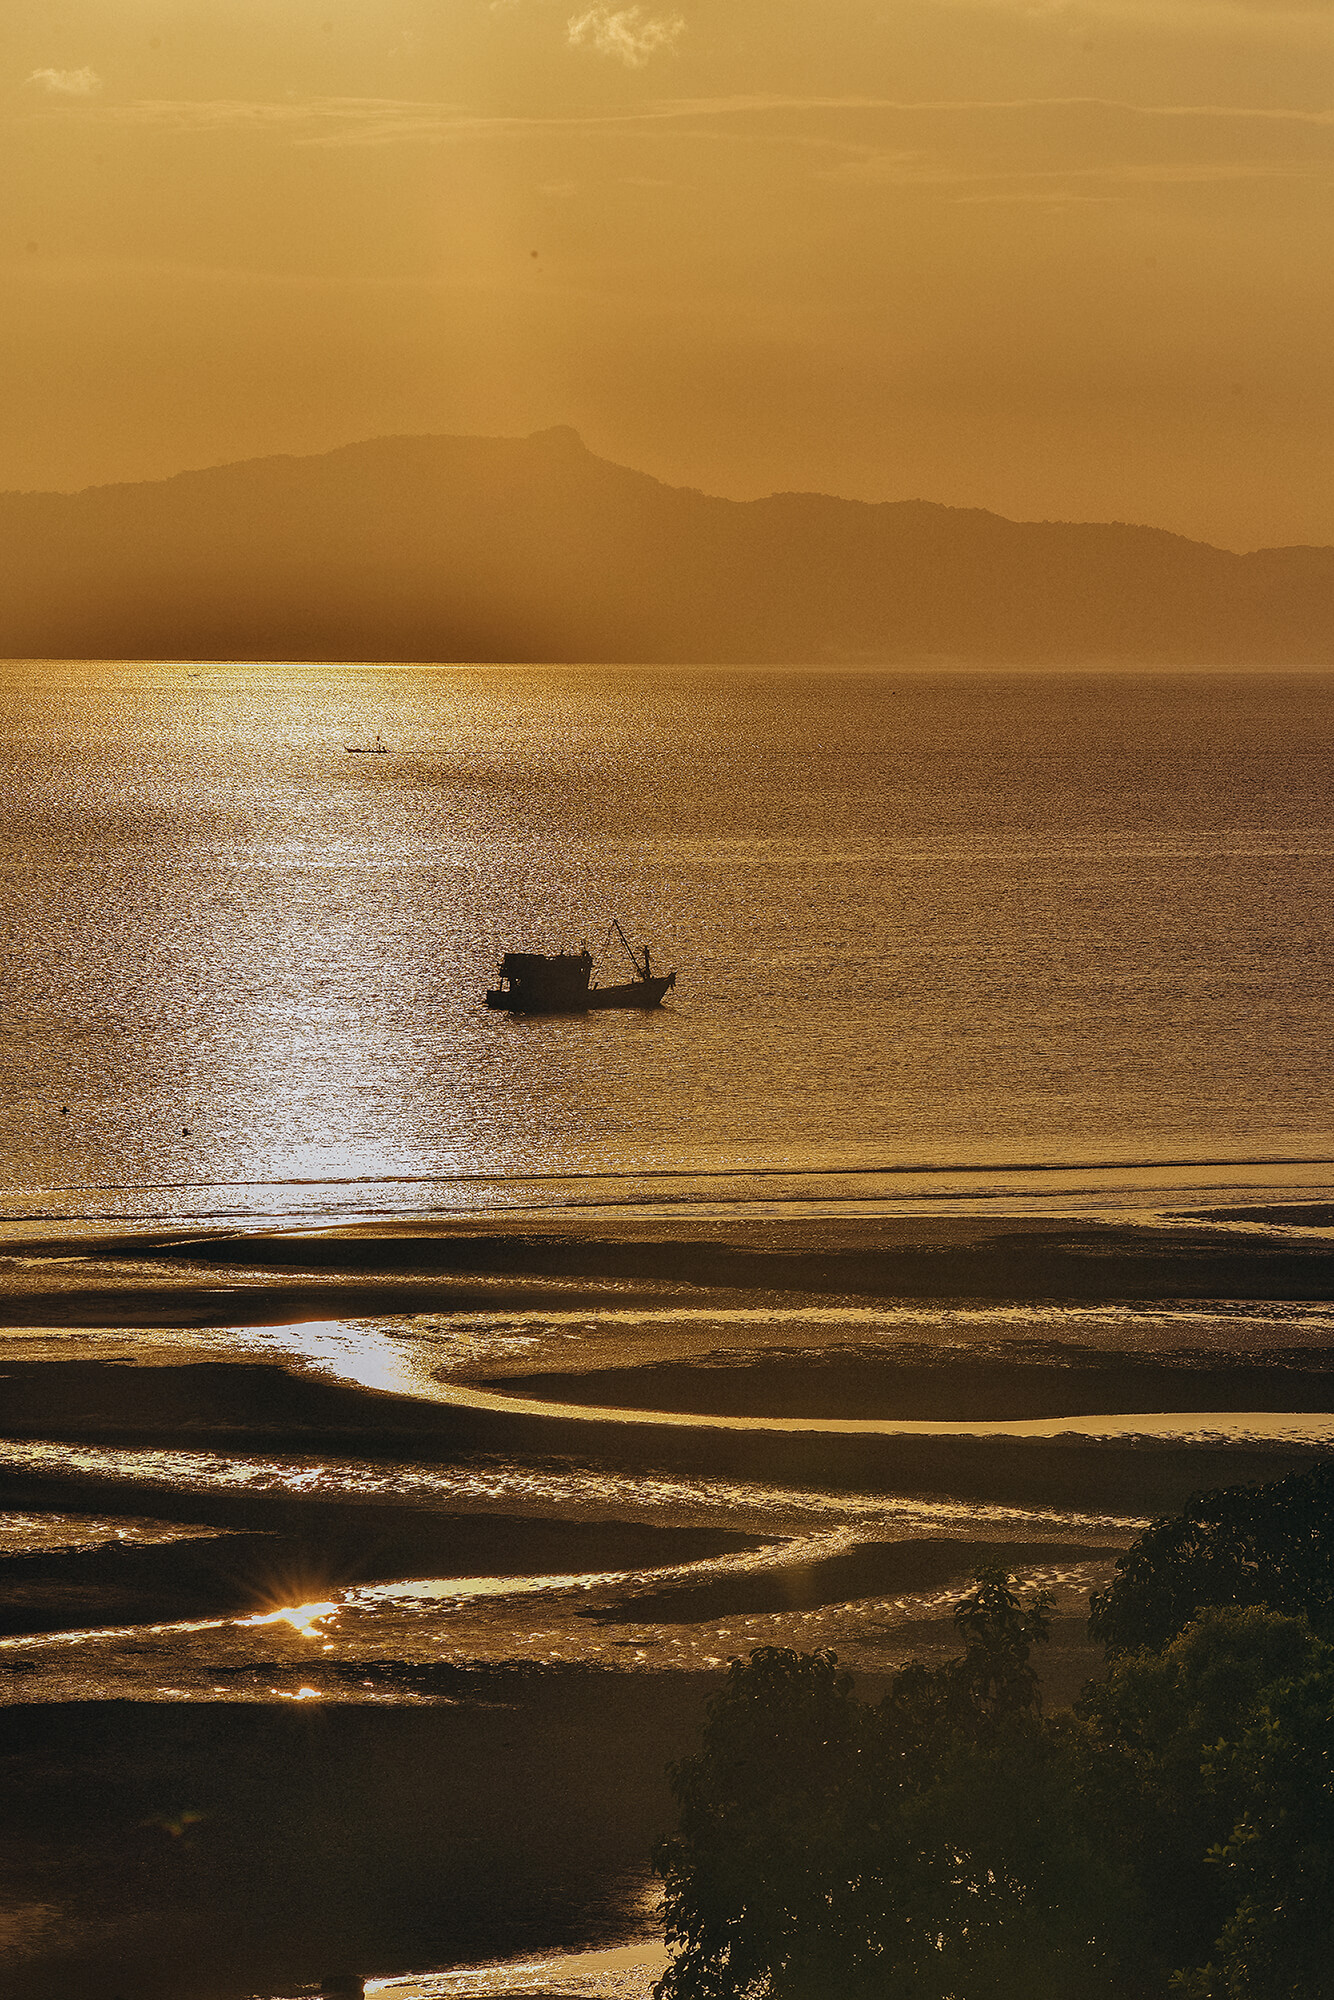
(534, 549)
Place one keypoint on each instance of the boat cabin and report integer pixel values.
(532, 984)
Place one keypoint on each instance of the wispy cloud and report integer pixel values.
(1106, 181)
(1280, 20)
(721, 107)
(317, 121)
(67, 82)
(627, 32)
(806, 121)
(1277, 13)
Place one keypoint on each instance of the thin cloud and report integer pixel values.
(721, 107)
(626, 32)
(373, 121)
(1070, 183)
(67, 82)
(1299, 21)
(321, 121)
(1274, 13)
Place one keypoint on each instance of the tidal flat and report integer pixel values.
(358, 1585)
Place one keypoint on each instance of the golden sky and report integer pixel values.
(1059, 258)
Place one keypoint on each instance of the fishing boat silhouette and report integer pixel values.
(560, 982)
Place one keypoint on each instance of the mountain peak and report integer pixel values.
(564, 436)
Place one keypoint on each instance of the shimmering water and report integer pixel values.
(939, 919)
(625, 1974)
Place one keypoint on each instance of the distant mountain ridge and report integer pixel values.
(504, 549)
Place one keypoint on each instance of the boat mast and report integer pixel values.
(639, 970)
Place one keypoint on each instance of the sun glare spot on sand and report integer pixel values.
(426, 1589)
(307, 1619)
(616, 1972)
(350, 1352)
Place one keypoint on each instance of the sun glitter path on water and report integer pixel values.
(307, 1619)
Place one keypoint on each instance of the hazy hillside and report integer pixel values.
(443, 548)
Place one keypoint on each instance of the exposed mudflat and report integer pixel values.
(357, 1585)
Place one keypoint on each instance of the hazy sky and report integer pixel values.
(1053, 257)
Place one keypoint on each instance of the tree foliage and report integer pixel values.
(1174, 1834)
(1199, 1755)
(1238, 1545)
(930, 1844)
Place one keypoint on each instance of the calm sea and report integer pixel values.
(988, 920)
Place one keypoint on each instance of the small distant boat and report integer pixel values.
(560, 983)
(377, 749)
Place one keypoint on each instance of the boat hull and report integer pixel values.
(641, 993)
(645, 994)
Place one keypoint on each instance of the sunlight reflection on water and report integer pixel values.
(372, 1358)
(332, 1638)
(566, 1489)
(1194, 1427)
(307, 1619)
(954, 886)
(366, 1644)
(625, 1972)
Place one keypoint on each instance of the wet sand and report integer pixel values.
(959, 1388)
(205, 1853)
(244, 1407)
(455, 1264)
